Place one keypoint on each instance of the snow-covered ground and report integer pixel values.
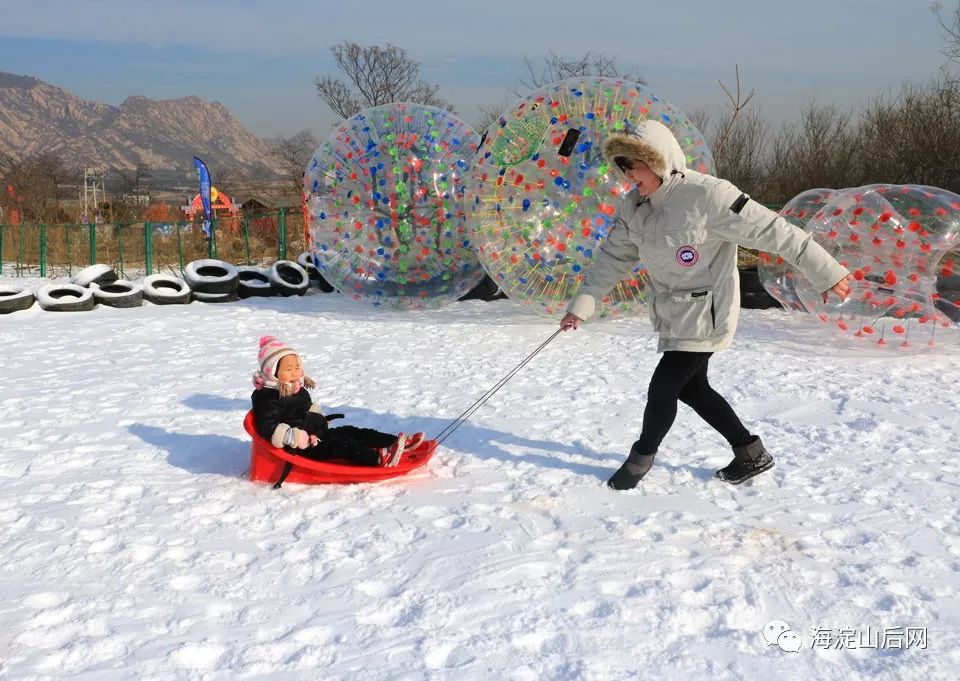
(133, 547)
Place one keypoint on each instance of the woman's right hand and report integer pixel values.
(570, 321)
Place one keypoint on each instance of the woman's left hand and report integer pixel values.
(841, 289)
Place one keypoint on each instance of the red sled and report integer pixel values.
(267, 463)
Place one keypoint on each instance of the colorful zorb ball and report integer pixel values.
(385, 200)
(900, 242)
(541, 198)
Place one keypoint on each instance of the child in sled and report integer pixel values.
(285, 415)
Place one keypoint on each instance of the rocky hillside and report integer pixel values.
(36, 117)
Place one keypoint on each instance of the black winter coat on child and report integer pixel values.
(274, 417)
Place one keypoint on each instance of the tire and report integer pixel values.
(120, 293)
(287, 278)
(65, 298)
(214, 297)
(95, 274)
(14, 299)
(253, 281)
(308, 263)
(211, 276)
(305, 260)
(165, 289)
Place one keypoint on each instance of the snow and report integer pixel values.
(133, 547)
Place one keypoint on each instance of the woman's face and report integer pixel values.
(639, 173)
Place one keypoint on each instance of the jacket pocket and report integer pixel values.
(687, 314)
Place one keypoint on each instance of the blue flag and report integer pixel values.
(203, 177)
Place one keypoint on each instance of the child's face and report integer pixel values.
(289, 370)
(639, 173)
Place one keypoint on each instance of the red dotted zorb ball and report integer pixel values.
(385, 196)
(541, 199)
(776, 275)
(901, 244)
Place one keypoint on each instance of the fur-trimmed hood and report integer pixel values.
(650, 142)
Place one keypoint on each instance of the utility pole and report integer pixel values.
(92, 184)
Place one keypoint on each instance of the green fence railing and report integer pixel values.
(51, 250)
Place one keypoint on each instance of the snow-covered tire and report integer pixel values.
(165, 289)
(14, 298)
(65, 298)
(202, 297)
(211, 276)
(253, 281)
(120, 293)
(95, 274)
(307, 261)
(288, 279)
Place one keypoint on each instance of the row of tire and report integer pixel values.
(206, 280)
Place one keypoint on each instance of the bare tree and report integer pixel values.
(912, 138)
(951, 25)
(376, 75)
(39, 183)
(737, 105)
(292, 155)
(700, 119)
(820, 151)
(737, 140)
(555, 67)
(490, 114)
(741, 158)
(134, 183)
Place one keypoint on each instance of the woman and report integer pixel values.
(686, 227)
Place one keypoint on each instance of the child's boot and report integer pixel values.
(748, 460)
(414, 441)
(390, 456)
(632, 471)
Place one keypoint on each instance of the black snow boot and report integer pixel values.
(749, 460)
(632, 471)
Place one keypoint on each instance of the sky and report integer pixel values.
(260, 59)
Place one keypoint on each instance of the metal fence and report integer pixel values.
(54, 250)
(29, 250)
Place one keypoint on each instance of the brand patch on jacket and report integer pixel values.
(687, 256)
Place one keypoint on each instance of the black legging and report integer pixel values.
(683, 376)
(357, 445)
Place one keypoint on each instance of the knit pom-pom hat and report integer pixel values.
(272, 350)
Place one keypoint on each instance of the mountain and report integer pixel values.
(36, 117)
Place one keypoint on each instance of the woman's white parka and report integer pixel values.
(686, 234)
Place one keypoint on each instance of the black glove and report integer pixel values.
(315, 424)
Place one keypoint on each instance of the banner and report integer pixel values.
(203, 177)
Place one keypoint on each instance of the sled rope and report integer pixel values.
(460, 420)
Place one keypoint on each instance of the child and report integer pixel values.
(686, 226)
(285, 415)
